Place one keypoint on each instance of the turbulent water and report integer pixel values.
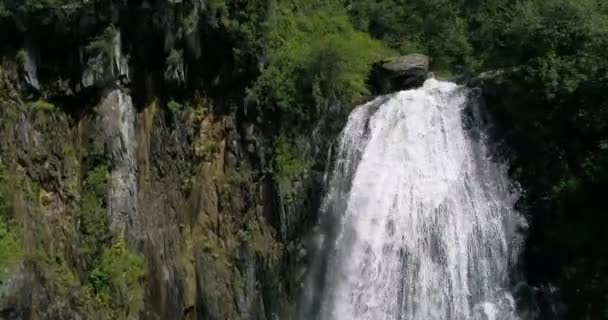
(419, 220)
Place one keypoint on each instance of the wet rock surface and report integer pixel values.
(187, 185)
(400, 73)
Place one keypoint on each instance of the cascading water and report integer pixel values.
(421, 220)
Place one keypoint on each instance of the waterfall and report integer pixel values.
(418, 219)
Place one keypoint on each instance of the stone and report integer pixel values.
(30, 69)
(485, 78)
(411, 65)
(400, 73)
(118, 123)
(489, 82)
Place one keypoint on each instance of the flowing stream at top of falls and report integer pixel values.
(419, 219)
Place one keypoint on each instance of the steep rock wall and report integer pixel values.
(97, 155)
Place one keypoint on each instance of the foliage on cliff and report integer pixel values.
(437, 28)
(116, 285)
(315, 57)
(556, 111)
(11, 252)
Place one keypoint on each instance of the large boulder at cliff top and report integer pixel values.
(400, 73)
(411, 65)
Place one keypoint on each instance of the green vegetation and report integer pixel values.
(210, 146)
(104, 43)
(41, 106)
(239, 177)
(434, 27)
(316, 57)
(61, 279)
(10, 249)
(289, 161)
(221, 276)
(4, 12)
(233, 182)
(174, 106)
(555, 107)
(247, 22)
(260, 238)
(33, 5)
(175, 57)
(117, 284)
(21, 57)
(11, 252)
(199, 108)
(6, 194)
(93, 221)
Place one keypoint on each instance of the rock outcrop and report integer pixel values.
(108, 142)
(400, 73)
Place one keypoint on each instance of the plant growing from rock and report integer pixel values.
(41, 106)
(289, 161)
(259, 237)
(10, 249)
(104, 44)
(175, 58)
(116, 285)
(21, 57)
(93, 221)
(174, 106)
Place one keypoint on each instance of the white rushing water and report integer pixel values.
(425, 225)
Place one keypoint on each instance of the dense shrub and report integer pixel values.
(314, 59)
(433, 27)
(46, 4)
(93, 221)
(117, 284)
(557, 114)
(10, 249)
(41, 106)
(104, 43)
(289, 162)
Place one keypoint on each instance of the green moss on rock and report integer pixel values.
(11, 252)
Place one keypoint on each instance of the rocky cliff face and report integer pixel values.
(140, 183)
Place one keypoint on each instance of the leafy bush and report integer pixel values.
(6, 194)
(289, 161)
(557, 112)
(41, 106)
(34, 5)
(97, 182)
(175, 57)
(117, 284)
(210, 146)
(174, 106)
(21, 57)
(199, 108)
(4, 11)
(433, 27)
(104, 43)
(10, 250)
(313, 59)
(524, 30)
(93, 221)
(260, 238)
(247, 23)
